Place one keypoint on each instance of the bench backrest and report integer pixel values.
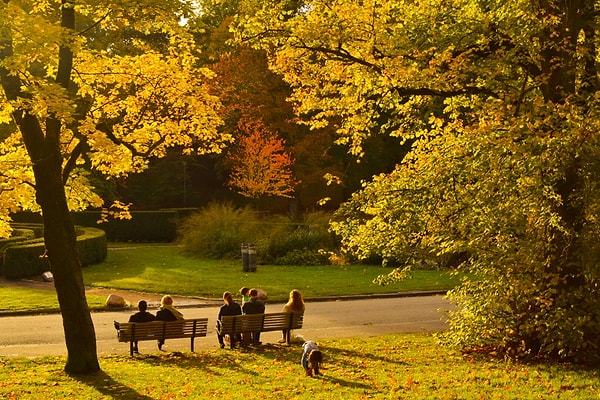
(129, 331)
(260, 322)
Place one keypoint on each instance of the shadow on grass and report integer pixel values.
(106, 385)
(335, 352)
(344, 382)
(223, 362)
(206, 362)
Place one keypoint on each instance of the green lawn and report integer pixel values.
(388, 367)
(164, 269)
(14, 299)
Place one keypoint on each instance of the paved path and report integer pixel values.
(39, 335)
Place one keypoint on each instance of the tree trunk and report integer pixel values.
(61, 246)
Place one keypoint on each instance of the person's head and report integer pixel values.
(142, 305)
(244, 291)
(295, 302)
(295, 296)
(166, 301)
(228, 298)
(253, 293)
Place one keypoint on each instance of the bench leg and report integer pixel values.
(131, 348)
(192, 344)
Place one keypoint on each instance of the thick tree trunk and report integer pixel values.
(61, 246)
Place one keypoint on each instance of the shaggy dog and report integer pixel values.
(312, 358)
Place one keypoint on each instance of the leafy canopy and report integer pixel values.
(135, 91)
(499, 101)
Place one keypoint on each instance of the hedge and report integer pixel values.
(25, 258)
(144, 226)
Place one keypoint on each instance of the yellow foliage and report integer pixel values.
(129, 98)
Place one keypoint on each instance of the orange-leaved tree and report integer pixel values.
(92, 86)
(261, 166)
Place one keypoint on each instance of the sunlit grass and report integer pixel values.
(168, 270)
(165, 269)
(14, 299)
(388, 367)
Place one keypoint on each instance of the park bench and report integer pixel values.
(161, 330)
(237, 324)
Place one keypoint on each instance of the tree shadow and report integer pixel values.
(106, 385)
(207, 362)
(335, 352)
(344, 382)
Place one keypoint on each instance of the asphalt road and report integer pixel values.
(39, 335)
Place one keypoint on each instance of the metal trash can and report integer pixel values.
(245, 258)
(252, 257)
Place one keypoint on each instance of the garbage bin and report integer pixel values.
(251, 257)
(245, 258)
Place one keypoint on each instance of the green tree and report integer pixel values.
(88, 85)
(500, 101)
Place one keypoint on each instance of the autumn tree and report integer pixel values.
(500, 101)
(248, 89)
(261, 167)
(92, 86)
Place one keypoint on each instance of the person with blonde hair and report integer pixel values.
(167, 312)
(295, 305)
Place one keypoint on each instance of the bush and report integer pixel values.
(144, 226)
(292, 242)
(25, 258)
(218, 231)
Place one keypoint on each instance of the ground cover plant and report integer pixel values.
(165, 269)
(387, 367)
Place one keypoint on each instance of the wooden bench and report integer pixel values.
(138, 331)
(236, 324)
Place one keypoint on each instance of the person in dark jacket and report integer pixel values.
(141, 316)
(167, 313)
(229, 308)
(254, 306)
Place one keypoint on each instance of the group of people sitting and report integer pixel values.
(167, 312)
(253, 304)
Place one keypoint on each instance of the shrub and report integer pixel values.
(292, 242)
(25, 258)
(218, 231)
(144, 226)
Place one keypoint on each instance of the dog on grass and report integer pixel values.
(312, 358)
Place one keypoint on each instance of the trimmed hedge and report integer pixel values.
(25, 258)
(144, 226)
